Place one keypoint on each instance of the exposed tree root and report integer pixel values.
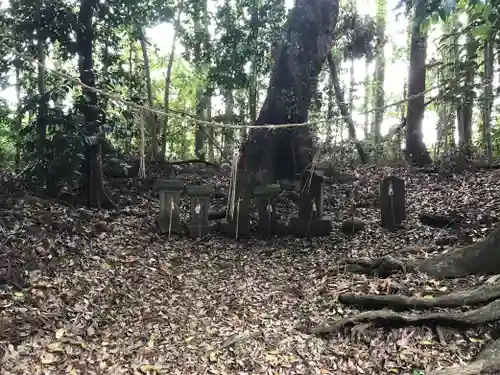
(487, 362)
(193, 161)
(484, 294)
(481, 258)
(485, 314)
(382, 267)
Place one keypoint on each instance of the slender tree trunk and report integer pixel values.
(415, 147)
(488, 97)
(466, 106)
(94, 184)
(42, 109)
(201, 23)
(148, 116)
(344, 110)
(19, 118)
(282, 153)
(381, 19)
(228, 133)
(330, 110)
(210, 130)
(366, 105)
(168, 81)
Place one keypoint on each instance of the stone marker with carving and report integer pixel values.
(311, 220)
(265, 200)
(198, 226)
(392, 202)
(169, 220)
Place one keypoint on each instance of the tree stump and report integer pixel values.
(392, 200)
(198, 226)
(169, 219)
(238, 217)
(265, 199)
(311, 220)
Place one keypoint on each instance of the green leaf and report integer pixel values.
(442, 14)
(435, 18)
(488, 8)
(481, 31)
(424, 25)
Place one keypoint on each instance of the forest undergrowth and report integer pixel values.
(101, 292)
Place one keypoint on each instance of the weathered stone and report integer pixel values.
(198, 226)
(265, 199)
(238, 217)
(352, 225)
(311, 220)
(392, 202)
(169, 220)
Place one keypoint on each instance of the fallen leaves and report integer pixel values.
(104, 298)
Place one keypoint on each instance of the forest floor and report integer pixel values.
(104, 293)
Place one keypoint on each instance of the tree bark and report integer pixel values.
(42, 108)
(93, 185)
(488, 97)
(283, 153)
(344, 110)
(148, 116)
(415, 147)
(465, 108)
(19, 117)
(381, 18)
(168, 81)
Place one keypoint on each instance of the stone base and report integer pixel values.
(228, 228)
(301, 227)
(163, 226)
(198, 231)
(276, 230)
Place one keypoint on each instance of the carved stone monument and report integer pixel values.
(238, 215)
(169, 220)
(265, 200)
(392, 202)
(198, 226)
(311, 220)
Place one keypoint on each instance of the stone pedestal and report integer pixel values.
(198, 225)
(169, 220)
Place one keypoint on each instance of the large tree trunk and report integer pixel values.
(415, 147)
(93, 185)
(282, 153)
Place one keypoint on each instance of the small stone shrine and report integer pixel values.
(265, 200)
(392, 202)
(169, 220)
(311, 220)
(198, 225)
(238, 216)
